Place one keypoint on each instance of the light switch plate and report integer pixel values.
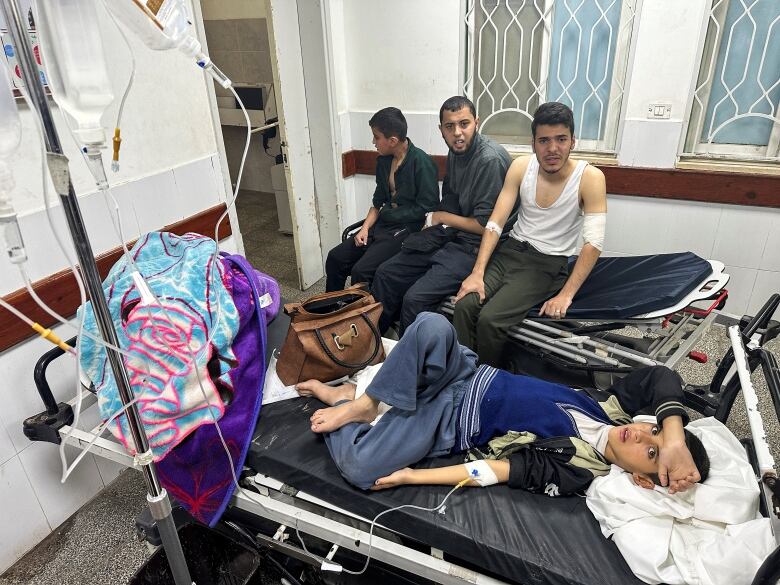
(659, 111)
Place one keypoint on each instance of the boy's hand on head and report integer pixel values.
(676, 468)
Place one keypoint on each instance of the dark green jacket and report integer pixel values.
(416, 190)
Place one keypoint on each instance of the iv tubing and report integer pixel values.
(373, 524)
(117, 140)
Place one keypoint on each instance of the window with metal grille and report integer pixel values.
(734, 110)
(522, 53)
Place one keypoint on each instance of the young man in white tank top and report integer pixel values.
(560, 199)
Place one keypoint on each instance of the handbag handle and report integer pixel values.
(293, 308)
(343, 364)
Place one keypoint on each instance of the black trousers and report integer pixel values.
(360, 262)
(412, 282)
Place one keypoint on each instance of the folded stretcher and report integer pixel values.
(293, 493)
(657, 295)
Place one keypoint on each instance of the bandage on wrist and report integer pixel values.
(593, 229)
(481, 472)
(492, 226)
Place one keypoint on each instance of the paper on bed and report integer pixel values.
(709, 535)
(275, 390)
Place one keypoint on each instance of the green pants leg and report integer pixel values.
(517, 279)
(467, 310)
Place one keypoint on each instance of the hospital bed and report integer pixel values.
(295, 501)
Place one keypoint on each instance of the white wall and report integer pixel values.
(402, 54)
(171, 170)
(420, 70)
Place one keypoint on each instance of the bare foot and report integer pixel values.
(326, 420)
(330, 395)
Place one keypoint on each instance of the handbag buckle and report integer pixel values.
(345, 339)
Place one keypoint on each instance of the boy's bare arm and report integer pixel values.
(451, 475)
(675, 463)
(361, 238)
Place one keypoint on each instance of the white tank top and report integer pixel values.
(552, 230)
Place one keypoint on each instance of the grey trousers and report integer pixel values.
(517, 279)
(423, 379)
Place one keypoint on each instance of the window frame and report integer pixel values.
(604, 149)
(693, 152)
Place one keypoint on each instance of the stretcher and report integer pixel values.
(293, 499)
(668, 300)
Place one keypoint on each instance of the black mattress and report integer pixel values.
(514, 535)
(627, 286)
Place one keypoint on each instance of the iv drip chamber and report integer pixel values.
(74, 56)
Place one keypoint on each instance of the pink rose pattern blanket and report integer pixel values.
(197, 356)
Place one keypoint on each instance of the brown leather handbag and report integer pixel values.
(331, 335)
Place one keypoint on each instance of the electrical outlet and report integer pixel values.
(659, 111)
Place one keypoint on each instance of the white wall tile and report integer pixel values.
(740, 288)
(59, 501)
(649, 143)
(196, 183)
(767, 284)
(155, 201)
(7, 449)
(438, 146)
(770, 259)
(364, 191)
(419, 130)
(361, 136)
(346, 131)
(43, 253)
(24, 523)
(742, 236)
(691, 227)
(636, 225)
(18, 394)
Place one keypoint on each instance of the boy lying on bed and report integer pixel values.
(531, 434)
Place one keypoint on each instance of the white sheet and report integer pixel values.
(712, 534)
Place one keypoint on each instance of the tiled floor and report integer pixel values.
(97, 545)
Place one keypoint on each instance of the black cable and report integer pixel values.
(281, 568)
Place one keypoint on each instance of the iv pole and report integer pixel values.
(157, 497)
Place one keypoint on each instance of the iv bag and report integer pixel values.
(165, 24)
(73, 51)
(160, 24)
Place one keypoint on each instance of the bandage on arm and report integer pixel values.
(481, 473)
(593, 229)
(492, 226)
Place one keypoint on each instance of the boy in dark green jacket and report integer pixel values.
(406, 189)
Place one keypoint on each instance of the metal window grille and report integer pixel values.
(521, 53)
(734, 110)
